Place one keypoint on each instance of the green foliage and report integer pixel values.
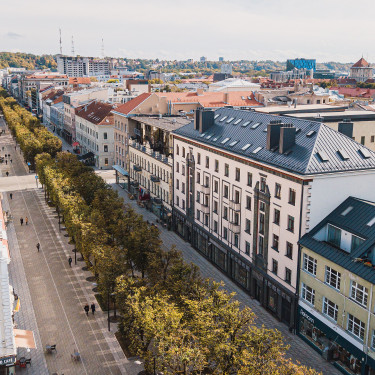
(26, 60)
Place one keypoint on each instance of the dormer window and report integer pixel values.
(334, 236)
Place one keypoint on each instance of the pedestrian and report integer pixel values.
(86, 308)
(15, 147)
(6, 162)
(7, 173)
(93, 308)
(11, 196)
(26, 220)
(38, 246)
(70, 260)
(11, 161)
(21, 220)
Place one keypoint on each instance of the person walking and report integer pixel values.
(86, 308)
(38, 246)
(7, 173)
(21, 220)
(15, 147)
(6, 162)
(11, 196)
(11, 161)
(70, 260)
(93, 308)
(26, 220)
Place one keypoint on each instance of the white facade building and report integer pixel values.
(247, 186)
(77, 66)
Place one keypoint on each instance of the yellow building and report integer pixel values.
(336, 287)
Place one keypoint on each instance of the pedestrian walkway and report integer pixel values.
(299, 350)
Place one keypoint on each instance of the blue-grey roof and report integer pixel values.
(355, 221)
(311, 138)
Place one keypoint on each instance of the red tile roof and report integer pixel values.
(361, 63)
(355, 92)
(79, 80)
(96, 112)
(129, 106)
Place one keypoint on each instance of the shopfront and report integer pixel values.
(327, 339)
(7, 365)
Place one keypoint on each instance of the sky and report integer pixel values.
(328, 30)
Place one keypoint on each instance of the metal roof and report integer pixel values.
(355, 221)
(312, 137)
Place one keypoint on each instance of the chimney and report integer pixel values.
(226, 97)
(346, 128)
(197, 118)
(273, 134)
(200, 92)
(206, 120)
(287, 138)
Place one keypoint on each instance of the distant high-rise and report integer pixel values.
(301, 64)
(77, 66)
(203, 59)
(221, 59)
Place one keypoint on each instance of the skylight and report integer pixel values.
(230, 120)
(365, 153)
(215, 139)
(249, 97)
(310, 133)
(245, 124)
(209, 136)
(202, 135)
(322, 155)
(237, 121)
(257, 150)
(216, 116)
(233, 143)
(243, 98)
(371, 222)
(346, 211)
(244, 148)
(223, 118)
(343, 154)
(255, 125)
(225, 140)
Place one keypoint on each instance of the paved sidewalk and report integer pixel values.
(299, 350)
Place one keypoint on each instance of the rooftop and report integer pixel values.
(164, 123)
(303, 108)
(337, 116)
(316, 148)
(361, 63)
(129, 106)
(96, 112)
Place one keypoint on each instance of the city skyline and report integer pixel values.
(246, 30)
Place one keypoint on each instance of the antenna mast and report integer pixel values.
(60, 42)
(102, 48)
(72, 46)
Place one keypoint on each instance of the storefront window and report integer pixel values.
(220, 258)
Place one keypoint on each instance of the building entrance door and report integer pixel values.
(286, 310)
(257, 290)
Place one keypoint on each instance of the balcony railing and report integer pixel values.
(155, 178)
(205, 189)
(137, 168)
(234, 227)
(235, 206)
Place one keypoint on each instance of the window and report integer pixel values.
(225, 233)
(216, 165)
(105, 136)
(308, 294)
(356, 241)
(236, 196)
(225, 213)
(292, 197)
(106, 161)
(183, 169)
(199, 158)
(183, 187)
(289, 250)
(226, 170)
(238, 173)
(177, 150)
(260, 245)
(198, 196)
(263, 184)
(207, 162)
(330, 309)
(198, 215)
(278, 191)
(309, 264)
(247, 226)
(177, 184)
(262, 206)
(215, 226)
(183, 204)
(249, 179)
(236, 240)
(215, 207)
(275, 242)
(358, 293)
(183, 152)
(291, 223)
(248, 202)
(105, 148)
(276, 216)
(206, 220)
(356, 327)
(261, 223)
(216, 186)
(363, 138)
(178, 201)
(274, 266)
(236, 218)
(247, 248)
(198, 177)
(334, 235)
(288, 275)
(372, 138)
(332, 277)
(226, 191)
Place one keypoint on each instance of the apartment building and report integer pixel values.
(95, 133)
(151, 163)
(361, 71)
(248, 185)
(78, 66)
(336, 286)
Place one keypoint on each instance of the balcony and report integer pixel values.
(205, 208)
(137, 168)
(234, 227)
(235, 206)
(205, 189)
(155, 178)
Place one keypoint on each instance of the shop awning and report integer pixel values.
(120, 170)
(24, 339)
(75, 144)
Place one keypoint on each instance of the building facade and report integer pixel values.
(336, 307)
(361, 71)
(78, 66)
(301, 63)
(247, 186)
